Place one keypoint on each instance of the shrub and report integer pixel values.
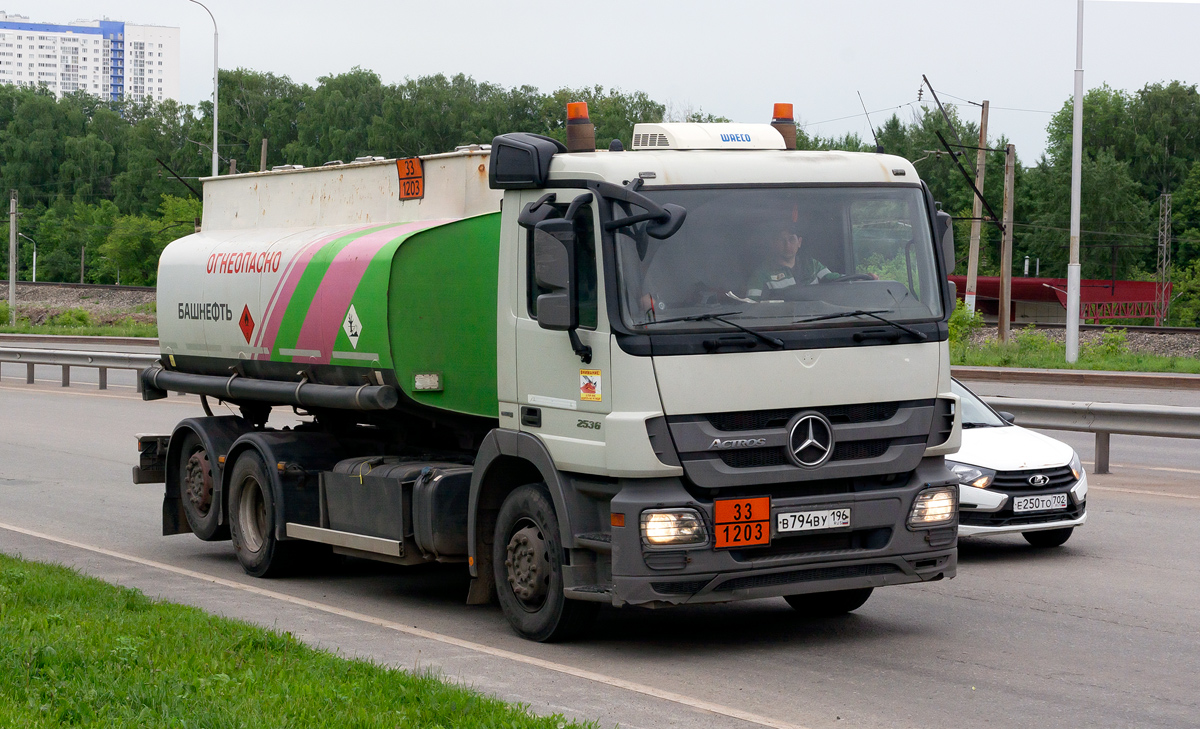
(1113, 343)
(71, 318)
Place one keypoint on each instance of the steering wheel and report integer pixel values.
(852, 277)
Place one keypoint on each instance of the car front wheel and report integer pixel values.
(1048, 538)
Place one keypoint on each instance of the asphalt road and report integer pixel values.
(1102, 632)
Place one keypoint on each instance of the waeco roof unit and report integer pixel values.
(706, 136)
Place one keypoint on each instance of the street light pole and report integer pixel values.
(215, 72)
(1076, 184)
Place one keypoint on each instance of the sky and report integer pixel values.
(733, 58)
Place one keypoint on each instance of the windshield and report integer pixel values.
(772, 256)
(974, 411)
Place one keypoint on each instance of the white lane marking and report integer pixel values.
(427, 634)
(1142, 491)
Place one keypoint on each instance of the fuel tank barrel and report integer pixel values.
(407, 303)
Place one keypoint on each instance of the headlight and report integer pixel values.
(673, 528)
(933, 507)
(1076, 466)
(980, 478)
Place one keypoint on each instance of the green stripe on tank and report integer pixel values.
(306, 288)
(370, 304)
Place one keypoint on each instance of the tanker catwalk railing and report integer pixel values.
(1103, 419)
(101, 361)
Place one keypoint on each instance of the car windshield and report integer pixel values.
(974, 412)
(774, 256)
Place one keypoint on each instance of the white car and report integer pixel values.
(1013, 480)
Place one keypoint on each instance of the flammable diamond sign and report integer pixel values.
(246, 323)
(352, 326)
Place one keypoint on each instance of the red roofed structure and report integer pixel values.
(1045, 299)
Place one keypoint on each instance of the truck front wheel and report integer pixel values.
(829, 604)
(252, 514)
(527, 562)
(197, 491)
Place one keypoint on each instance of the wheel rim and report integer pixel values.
(527, 565)
(197, 481)
(252, 514)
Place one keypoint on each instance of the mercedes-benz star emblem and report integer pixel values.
(1039, 479)
(810, 442)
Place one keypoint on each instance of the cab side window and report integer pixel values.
(585, 270)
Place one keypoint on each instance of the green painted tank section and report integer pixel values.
(441, 309)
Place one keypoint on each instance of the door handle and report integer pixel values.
(531, 416)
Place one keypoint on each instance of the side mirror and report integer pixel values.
(945, 235)
(1006, 416)
(554, 267)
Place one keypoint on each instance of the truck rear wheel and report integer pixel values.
(197, 491)
(252, 514)
(829, 604)
(527, 563)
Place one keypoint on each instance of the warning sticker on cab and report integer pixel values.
(589, 385)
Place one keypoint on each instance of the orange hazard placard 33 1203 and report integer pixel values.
(412, 178)
(742, 522)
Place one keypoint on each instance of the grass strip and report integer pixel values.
(1032, 348)
(78, 651)
(124, 330)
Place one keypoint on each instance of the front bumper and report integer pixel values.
(988, 511)
(877, 549)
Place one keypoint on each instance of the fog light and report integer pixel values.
(934, 507)
(673, 528)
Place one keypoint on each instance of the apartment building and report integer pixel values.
(108, 59)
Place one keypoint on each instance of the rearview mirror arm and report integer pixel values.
(578, 347)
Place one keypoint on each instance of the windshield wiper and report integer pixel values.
(720, 316)
(873, 313)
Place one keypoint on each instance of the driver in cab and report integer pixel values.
(785, 266)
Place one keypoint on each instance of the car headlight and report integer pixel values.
(934, 506)
(1076, 466)
(673, 528)
(980, 478)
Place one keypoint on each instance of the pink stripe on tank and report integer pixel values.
(336, 290)
(273, 314)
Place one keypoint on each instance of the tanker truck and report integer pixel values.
(707, 367)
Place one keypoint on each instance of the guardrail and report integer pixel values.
(102, 361)
(1078, 378)
(1103, 419)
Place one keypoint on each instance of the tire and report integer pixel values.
(198, 491)
(252, 513)
(1048, 538)
(527, 565)
(829, 604)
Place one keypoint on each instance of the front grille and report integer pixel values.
(814, 575)
(764, 457)
(859, 449)
(690, 587)
(1019, 480)
(1006, 516)
(755, 458)
(808, 544)
(760, 419)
